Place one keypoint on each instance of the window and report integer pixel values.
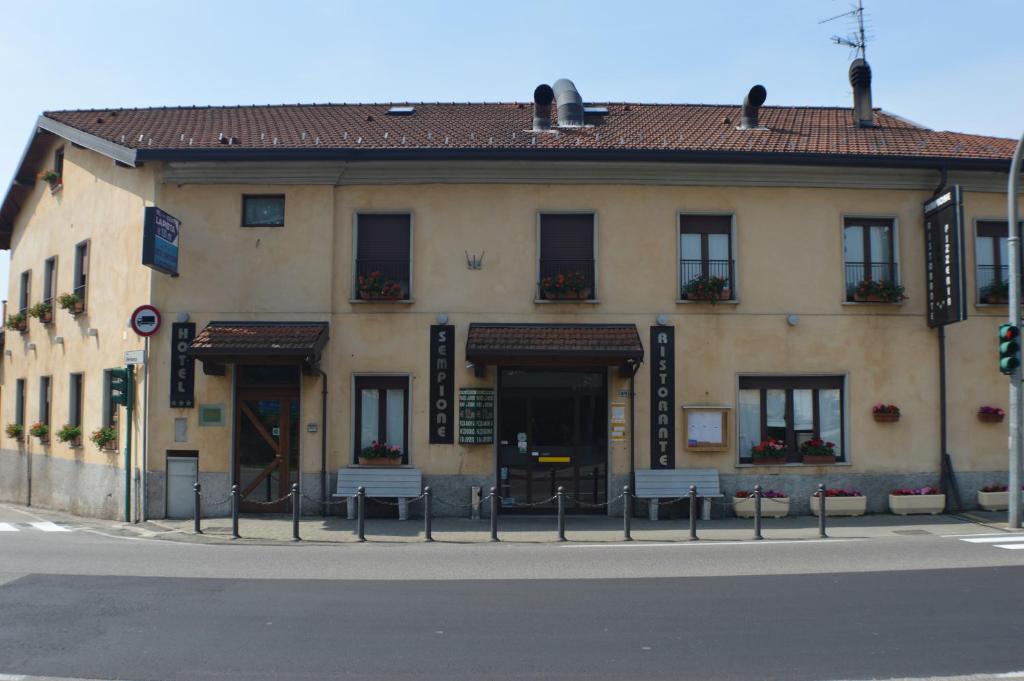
(58, 165)
(44, 399)
(50, 281)
(81, 279)
(75, 400)
(382, 407)
(992, 274)
(869, 252)
(567, 254)
(109, 408)
(383, 256)
(705, 254)
(792, 409)
(19, 402)
(25, 292)
(263, 210)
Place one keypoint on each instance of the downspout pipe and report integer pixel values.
(323, 443)
(570, 104)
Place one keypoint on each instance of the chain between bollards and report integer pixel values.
(196, 509)
(234, 512)
(428, 515)
(361, 513)
(561, 513)
(821, 512)
(693, 513)
(494, 514)
(627, 513)
(757, 512)
(296, 511)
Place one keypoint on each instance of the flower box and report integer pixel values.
(841, 506)
(46, 317)
(110, 446)
(818, 459)
(993, 501)
(724, 294)
(857, 298)
(769, 461)
(912, 504)
(995, 300)
(886, 418)
(583, 294)
(380, 461)
(775, 507)
(990, 417)
(370, 295)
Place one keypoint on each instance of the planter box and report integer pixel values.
(110, 446)
(366, 295)
(841, 506)
(569, 295)
(911, 504)
(46, 317)
(872, 299)
(994, 501)
(990, 418)
(886, 418)
(380, 461)
(726, 294)
(769, 461)
(995, 300)
(770, 508)
(818, 459)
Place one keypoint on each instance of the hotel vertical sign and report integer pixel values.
(442, 384)
(663, 397)
(944, 259)
(183, 367)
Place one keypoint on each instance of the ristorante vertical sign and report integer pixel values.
(183, 367)
(663, 397)
(944, 258)
(442, 384)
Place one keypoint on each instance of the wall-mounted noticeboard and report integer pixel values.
(706, 428)
(476, 416)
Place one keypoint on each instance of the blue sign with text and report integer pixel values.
(160, 235)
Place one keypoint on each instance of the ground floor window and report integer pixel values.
(382, 408)
(793, 409)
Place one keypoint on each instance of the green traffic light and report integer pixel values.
(1009, 348)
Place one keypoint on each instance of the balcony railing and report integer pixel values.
(390, 270)
(857, 272)
(705, 269)
(584, 268)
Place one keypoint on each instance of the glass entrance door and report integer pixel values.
(552, 432)
(267, 452)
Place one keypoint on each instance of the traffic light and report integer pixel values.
(120, 390)
(1009, 348)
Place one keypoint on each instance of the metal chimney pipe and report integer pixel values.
(570, 104)
(751, 105)
(860, 79)
(542, 98)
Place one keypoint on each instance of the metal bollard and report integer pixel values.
(428, 513)
(234, 512)
(296, 511)
(821, 512)
(361, 512)
(561, 513)
(196, 510)
(693, 513)
(494, 514)
(757, 512)
(627, 513)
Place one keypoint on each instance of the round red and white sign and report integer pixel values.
(145, 320)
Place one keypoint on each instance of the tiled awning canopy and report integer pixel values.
(232, 342)
(553, 344)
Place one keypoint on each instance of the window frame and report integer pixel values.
(383, 383)
(50, 284)
(869, 220)
(76, 398)
(20, 397)
(733, 260)
(45, 399)
(789, 383)
(538, 240)
(25, 292)
(997, 256)
(410, 293)
(284, 208)
(82, 271)
(58, 165)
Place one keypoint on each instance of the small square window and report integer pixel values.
(263, 211)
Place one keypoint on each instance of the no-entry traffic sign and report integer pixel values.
(145, 320)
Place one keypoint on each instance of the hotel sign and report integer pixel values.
(944, 259)
(160, 232)
(663, 397)
(442, 384)
(183, 367)
(476, 416)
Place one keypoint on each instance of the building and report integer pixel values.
(523, 295)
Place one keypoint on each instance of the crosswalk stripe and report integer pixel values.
(1009, 546)
(996, 539)
(7, 527)
(47, 526)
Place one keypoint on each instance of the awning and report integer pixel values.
(223, 343)
(555, 344)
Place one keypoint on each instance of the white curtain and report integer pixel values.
(396, 418)
(370, 418)
(750, 420)
(776, 408)
(829, 409)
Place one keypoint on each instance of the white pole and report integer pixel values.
(144, 456)
(1016, 406)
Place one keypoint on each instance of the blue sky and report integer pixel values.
(946, 64)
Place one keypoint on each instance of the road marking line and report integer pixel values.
(746, 542)
(47, 526)
(980, 534)
(27, 677)
(965, 677)
(1009, 546)
(7, 527)
(995, 539)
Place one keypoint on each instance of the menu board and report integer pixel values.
(476, 416)
(707, 428)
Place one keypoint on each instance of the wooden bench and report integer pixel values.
(670, 483)
(401, 482)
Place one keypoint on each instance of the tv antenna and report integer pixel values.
(856, 41)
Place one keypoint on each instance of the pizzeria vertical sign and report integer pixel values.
(945, 283)
(663, 397)
(183, 367)
(442, 384)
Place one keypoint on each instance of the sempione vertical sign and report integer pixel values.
(442, 384)
(183, 367)
(945, 277)
(663, 397)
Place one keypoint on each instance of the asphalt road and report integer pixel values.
(89, 604)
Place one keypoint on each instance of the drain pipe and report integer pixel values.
(323, 444)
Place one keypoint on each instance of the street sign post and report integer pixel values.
(1016, 407)
(134, 357)
(145, 320)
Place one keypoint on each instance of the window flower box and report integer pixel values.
(921, 501)
(773, 504)
(994, 498)
(15, 431)
(380, 461)
(372, 295)
(71, 435)
(582, 294)
(872, 291)
(840, 502)
(571, 286)
(996, 293)
(707, 289)
(376, 286)
(380, 454)
(40, 430)
(770, 452)
(16, 322)
(991, 414)
(105, 438)
(41, 311)
(72, 303)
(817, 451)
(886, 413)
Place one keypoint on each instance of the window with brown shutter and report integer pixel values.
(869, 250)
(383, 256)
(567, 256)
(705, 257)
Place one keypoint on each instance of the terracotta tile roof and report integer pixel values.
(505, 127)
(299, 339)
(616, 341)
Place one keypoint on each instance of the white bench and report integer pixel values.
(400, 482)
(670, 483)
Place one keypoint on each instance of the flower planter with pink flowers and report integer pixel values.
(917, 501)
(886, 413)
(994, 498)
(840, 502)
(988, 414)
(773, 504)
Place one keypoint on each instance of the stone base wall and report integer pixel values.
(61, 484)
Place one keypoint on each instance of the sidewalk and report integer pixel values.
(585, 529)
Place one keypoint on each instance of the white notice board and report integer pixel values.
(706, 428)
